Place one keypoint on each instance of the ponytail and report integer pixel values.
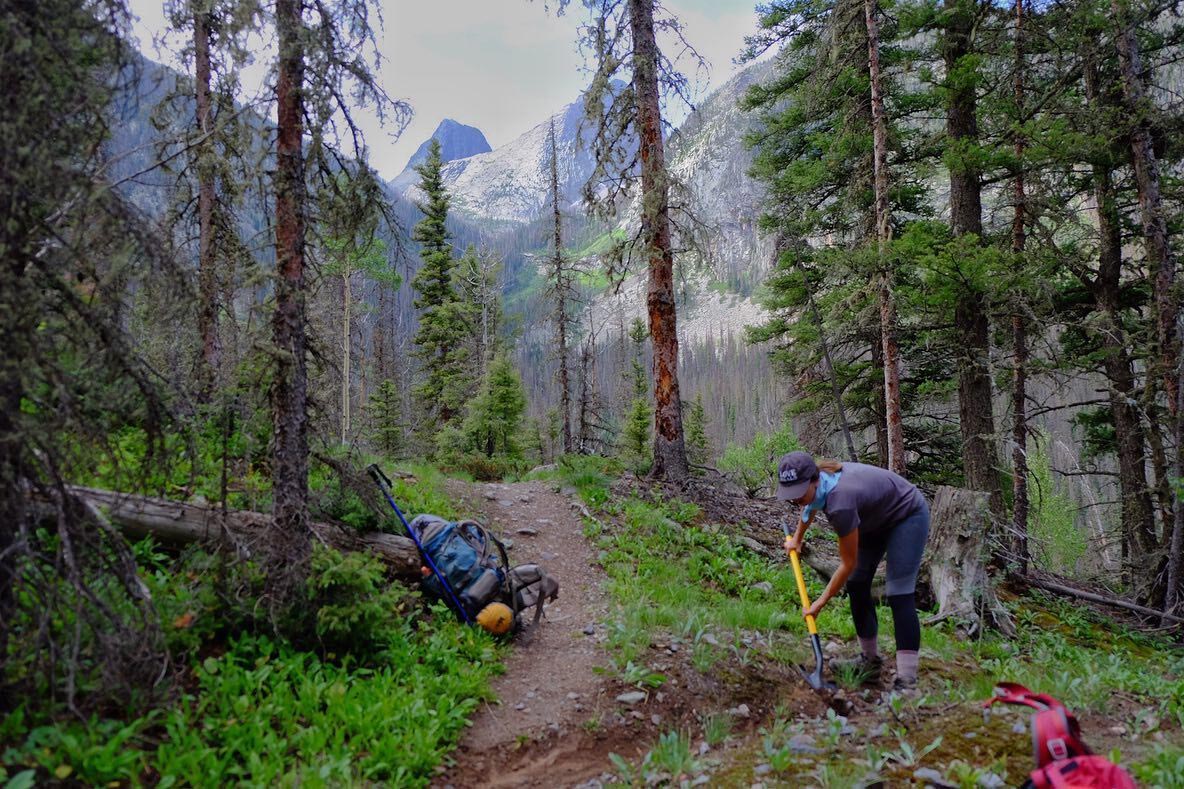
(829, 466)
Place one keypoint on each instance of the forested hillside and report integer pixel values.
(898, 303)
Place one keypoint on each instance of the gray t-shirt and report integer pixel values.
(870, 498)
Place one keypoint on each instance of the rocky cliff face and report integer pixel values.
(457, 141)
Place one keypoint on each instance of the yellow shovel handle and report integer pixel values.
(797, 574)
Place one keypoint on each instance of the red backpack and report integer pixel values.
(1063, 761)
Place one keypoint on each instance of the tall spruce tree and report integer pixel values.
(443, 328)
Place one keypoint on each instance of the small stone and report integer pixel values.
(700, 780)
(672, 648)
(762, 769)
(804, 744)
(525, 499)
(878, 731)
(928, 775)
(529, 531)
(832, 648)
(970, 735)
(490, 496)
(752, 544)
(590, 630)
(742, 711)
(544, 521)
(636, 715)
(579, 707)
(573, 696)
(763, 586)
(549, 557)
(1020, 727)
(704, 747)
(1120, 729)
(656, 719)
(530, 694)
(660, 696)
(554, 727)
(520, 706)
(757, 785)
(507, 543)
(632, 697)
(991, 781)
(506, 503)
(708, 638)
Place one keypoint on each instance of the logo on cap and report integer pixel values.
(789, 475)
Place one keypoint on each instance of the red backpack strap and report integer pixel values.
(1014, 693)
(1056, 736)
(1082, 772)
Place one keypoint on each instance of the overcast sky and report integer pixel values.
(499, 65)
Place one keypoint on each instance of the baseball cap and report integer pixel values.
(795, 471)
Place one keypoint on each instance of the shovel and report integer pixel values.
(813, 678)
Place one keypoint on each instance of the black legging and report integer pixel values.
(905, 622)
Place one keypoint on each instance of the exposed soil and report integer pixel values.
(551, 685)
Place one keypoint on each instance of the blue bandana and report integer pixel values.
(826, 483)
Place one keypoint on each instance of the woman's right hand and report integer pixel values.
(792, 544)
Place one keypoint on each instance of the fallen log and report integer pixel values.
(1081, 594)
(180, 523)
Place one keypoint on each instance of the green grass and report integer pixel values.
(377, 692)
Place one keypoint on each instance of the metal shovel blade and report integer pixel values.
(814, 678)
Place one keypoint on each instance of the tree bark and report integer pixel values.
(562, 288)
(181, 523)
(207, 316)
(976, 421)
(894, 424)
(290, 546)
(1160, 255)
(346, 301)
(958, 554)
(670, 456)
(1138, 516)
(1019, 329)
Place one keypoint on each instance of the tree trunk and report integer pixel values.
(1160, 256)
(670, 455)
(346, 300)
(207, 315)
(181, 523)
(562, 286)
(894, 424)
(977, 423)
(958, 554)
(289, 549)
(1019, 329)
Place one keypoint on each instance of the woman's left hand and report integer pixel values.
(814, 608)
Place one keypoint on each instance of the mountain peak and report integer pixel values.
(457, 141)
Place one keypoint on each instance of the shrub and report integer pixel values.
(754, 466)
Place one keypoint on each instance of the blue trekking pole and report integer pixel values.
(384, 485)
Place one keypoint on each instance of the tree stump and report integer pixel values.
(956, 562)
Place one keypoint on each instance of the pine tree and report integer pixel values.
(622, 36)
(698, 446)
(386, 420)
(494, 418)
(443, 322)
(636, 430)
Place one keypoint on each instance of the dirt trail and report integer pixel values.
(550, 687)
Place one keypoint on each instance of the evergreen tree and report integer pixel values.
(443, 322)
(386, 420)
(494, 418)
(698, 446)
(635, 432)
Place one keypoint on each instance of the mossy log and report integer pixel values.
(179, 523)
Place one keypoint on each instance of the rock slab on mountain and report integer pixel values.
(457, 141)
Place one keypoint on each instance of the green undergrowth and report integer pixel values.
(365, 685)
(675, 577)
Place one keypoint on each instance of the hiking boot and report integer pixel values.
(904, 686)
(866, 670)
